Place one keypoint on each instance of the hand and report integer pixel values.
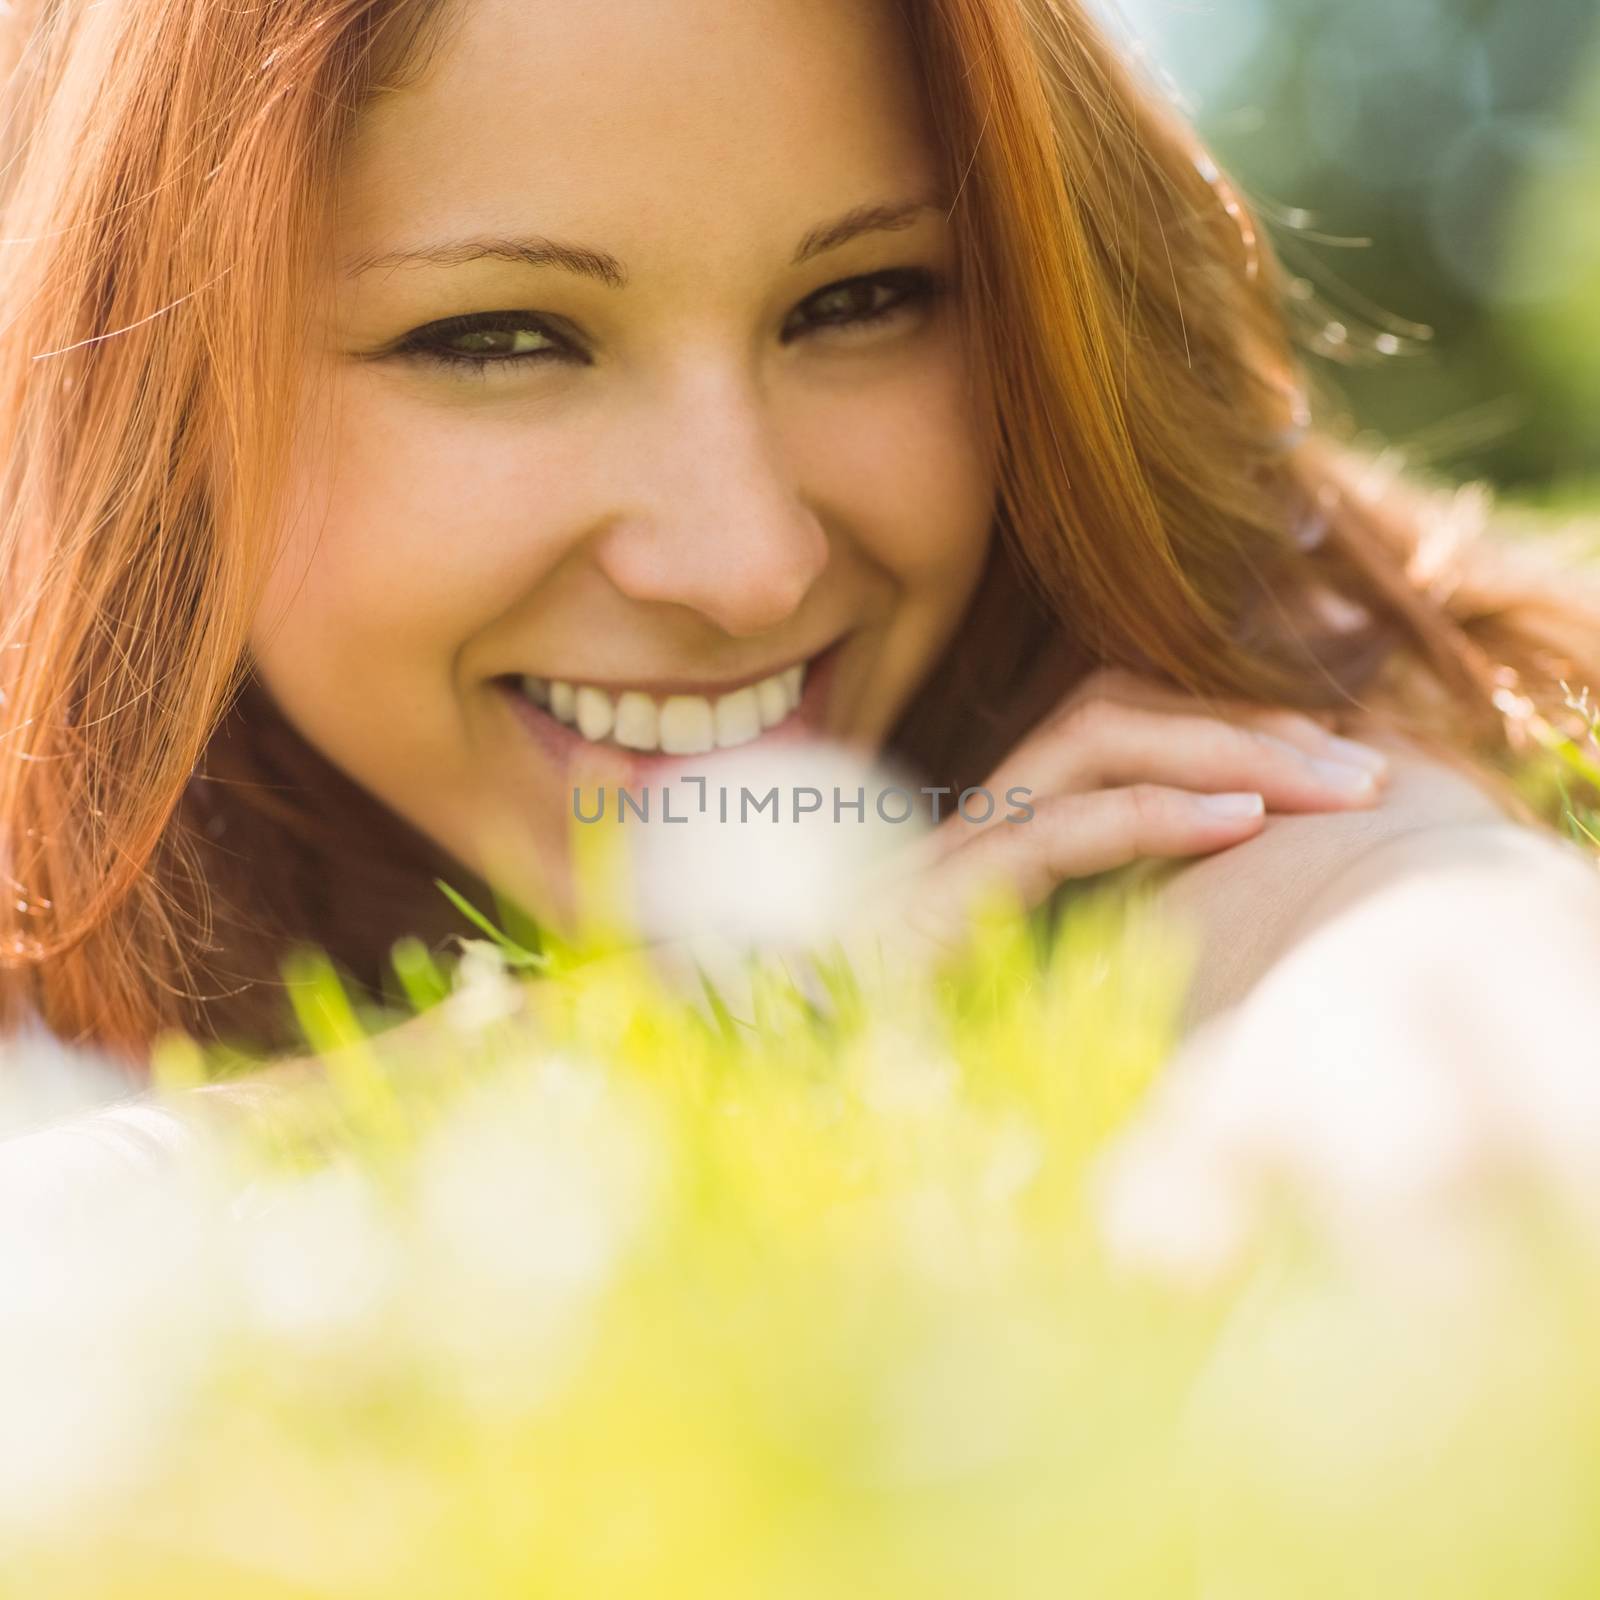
(1123, 769)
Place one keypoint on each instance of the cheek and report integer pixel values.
(413, 527)
(902, 466)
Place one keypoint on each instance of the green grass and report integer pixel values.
(646, 1292)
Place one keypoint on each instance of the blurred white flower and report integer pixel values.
(897, 1074)
(1015, 1156)
(108, 1315)
(1396, 1069)
(315, 1257)
(527, 1200)
(483, 988)
(42, 1079)
(780, 875)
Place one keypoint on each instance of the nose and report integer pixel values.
(713, 520)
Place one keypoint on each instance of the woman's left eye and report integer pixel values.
(862, 302)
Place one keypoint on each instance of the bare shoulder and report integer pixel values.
(1246, 904)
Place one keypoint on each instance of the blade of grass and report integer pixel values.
(518, 955)
(335, 1035)
(425, 982)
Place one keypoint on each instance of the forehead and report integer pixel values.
(659, 119)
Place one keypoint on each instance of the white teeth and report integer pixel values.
(738, 718)
(636, 725)
(687, 728)
(682, 724)
(595, 713)
(773, 699)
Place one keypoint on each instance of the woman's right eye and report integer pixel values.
(482, 340)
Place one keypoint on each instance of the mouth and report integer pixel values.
(636, 730)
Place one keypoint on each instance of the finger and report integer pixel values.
(1296, 727)
(1103, 745)
(1306, 733)
(1072, 836)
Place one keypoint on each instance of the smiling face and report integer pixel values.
(638, 387)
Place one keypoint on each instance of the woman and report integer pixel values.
(408, 406)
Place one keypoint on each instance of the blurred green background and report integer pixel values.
(1431, 170)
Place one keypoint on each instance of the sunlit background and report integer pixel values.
(1422, 162)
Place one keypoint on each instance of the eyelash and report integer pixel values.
(915, 286)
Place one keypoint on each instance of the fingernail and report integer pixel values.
(1342, 776)
(1232, 805)
(1362, 754)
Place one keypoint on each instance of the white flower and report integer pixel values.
(898, 1074)
(43, 1080)
(781, 875)
(527, 1200)
(108, 1318)
(315, 1258)
(1400, 1067)
(483, 988)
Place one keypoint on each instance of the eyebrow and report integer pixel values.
(537, 251)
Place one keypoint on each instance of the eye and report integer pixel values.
(484, 339)
(866, 301)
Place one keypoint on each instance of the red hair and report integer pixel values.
(1162, 506)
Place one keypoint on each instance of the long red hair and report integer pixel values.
(1163, 506)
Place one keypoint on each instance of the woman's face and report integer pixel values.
(634, 390)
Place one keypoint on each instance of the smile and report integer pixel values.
(676, 725)
(671, 718)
